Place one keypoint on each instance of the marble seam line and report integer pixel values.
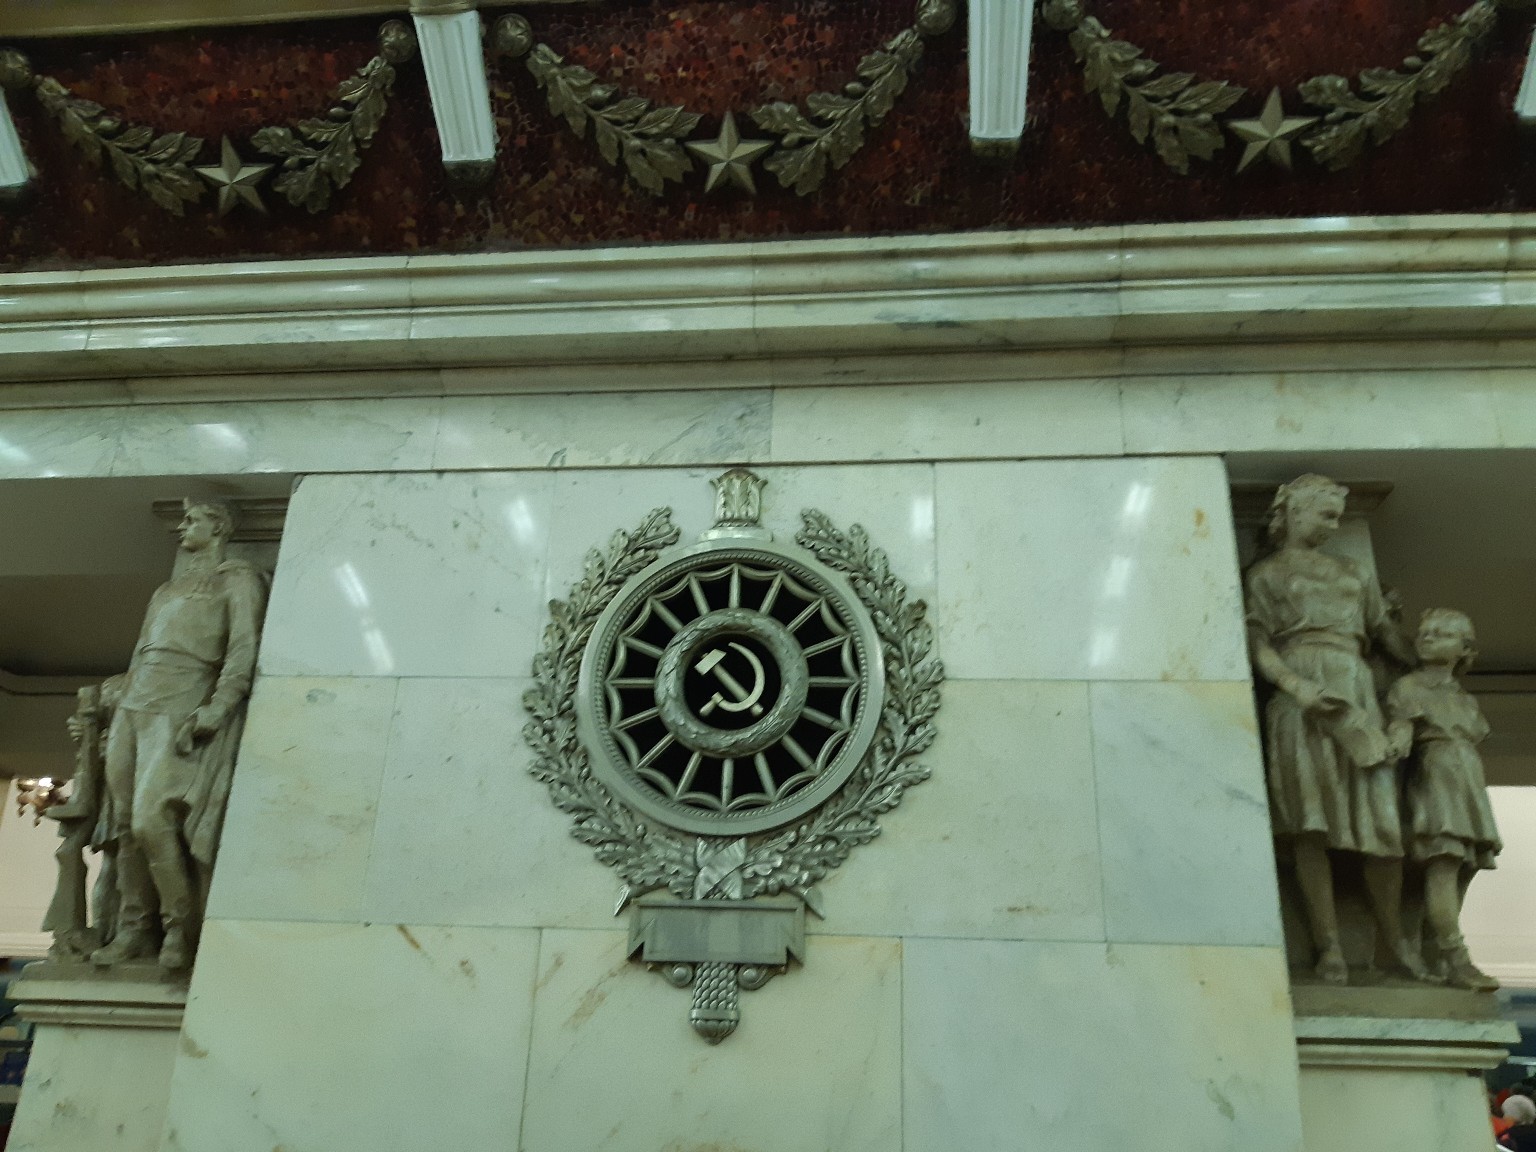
(1098, 812)
(533, 1011)
(389, 736)
(621, 926)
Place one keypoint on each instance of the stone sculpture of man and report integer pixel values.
(172, 741)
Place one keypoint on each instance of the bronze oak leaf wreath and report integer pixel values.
(648, 857)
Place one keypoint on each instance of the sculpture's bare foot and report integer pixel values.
(130, 944)
(176, 952)
(1331, 968)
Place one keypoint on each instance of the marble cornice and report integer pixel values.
(976, 305)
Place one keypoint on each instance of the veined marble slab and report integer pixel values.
(1084, 1047)
(364, 556)
(1089, 570)
(815, 1064)
(299, 827)
(1183, 816)
(353, 1038)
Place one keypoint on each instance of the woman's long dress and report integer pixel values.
(1329, 774)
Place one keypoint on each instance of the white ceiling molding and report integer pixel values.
(999, 58)
(461, 100)
(25, 945)
(14, 684)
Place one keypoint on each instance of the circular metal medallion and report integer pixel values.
(730, 688)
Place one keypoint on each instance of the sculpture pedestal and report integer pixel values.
(100, 1072)
(1397, 1068)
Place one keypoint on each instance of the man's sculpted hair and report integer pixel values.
(222, 514)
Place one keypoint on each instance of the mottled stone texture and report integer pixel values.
(1462, 154)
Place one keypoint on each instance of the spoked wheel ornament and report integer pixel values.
(725, 721)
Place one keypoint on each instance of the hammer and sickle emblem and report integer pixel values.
(745, 698)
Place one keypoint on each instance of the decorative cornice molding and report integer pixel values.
(258, 519)
(135, 997)
(1403, 1042)
(998, 297)
(14, 684)
(1251, 499)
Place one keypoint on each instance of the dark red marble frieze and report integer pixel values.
(1463, 153)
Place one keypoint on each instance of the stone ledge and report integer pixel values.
(1002, 297)
(1409, 1044)
(134, 996)
(1393, 1003)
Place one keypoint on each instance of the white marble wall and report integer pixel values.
(1060, 404)
(95, 1089)
(1407, 1110)
(408, 950)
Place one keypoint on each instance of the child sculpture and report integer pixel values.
(1449, 826)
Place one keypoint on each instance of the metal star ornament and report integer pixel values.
(1271, 134)
(730, 157)
(236, 180)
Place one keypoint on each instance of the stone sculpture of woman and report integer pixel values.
(1333, 782)
(1450, 827)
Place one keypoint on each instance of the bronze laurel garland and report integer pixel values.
(1181, 115)
(806, 148)
(1387, 98)
(1179, 112)
(648, 139)
(319, 156)
(158, 165)
(651, 141)
(324, 153)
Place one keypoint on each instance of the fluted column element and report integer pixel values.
(1000, 34)
(1525, 99)
(14, 170)
(461, 99)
